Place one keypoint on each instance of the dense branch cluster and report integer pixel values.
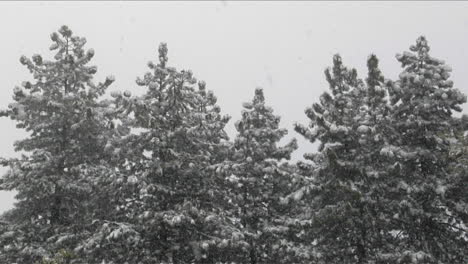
(154, 178)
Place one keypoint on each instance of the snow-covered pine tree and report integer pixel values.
(166, 196)
(255, 182)
(458, 187)
(423, 98)
(372, 134)
(67, 125)
(340, 226)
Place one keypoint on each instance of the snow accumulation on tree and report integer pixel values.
(68, 127)
(154, 178)
(380, 179)
(256, 179)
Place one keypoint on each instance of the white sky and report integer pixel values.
(283, 47)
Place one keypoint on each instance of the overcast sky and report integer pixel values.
(283, 47)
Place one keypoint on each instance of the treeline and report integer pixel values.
(155, 179)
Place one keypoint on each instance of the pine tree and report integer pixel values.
(457, 183)
(423, 100)
(167, 195)
(458, 186)
(339, 216)
(256, 180)
(372, 134)
(67, 126)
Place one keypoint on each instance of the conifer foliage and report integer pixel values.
(423, 100)
(338, 188)
(68, 127)
(166, 194)
(256, 181)
(154, 178)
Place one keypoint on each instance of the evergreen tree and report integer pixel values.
(423, 100)
(256, 180)
(458, 186)
(166, 196)
(372, 134)
(338, 190)
(67, 125)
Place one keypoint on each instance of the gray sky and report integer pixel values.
(283, 47)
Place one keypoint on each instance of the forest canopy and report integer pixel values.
(154, 177)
